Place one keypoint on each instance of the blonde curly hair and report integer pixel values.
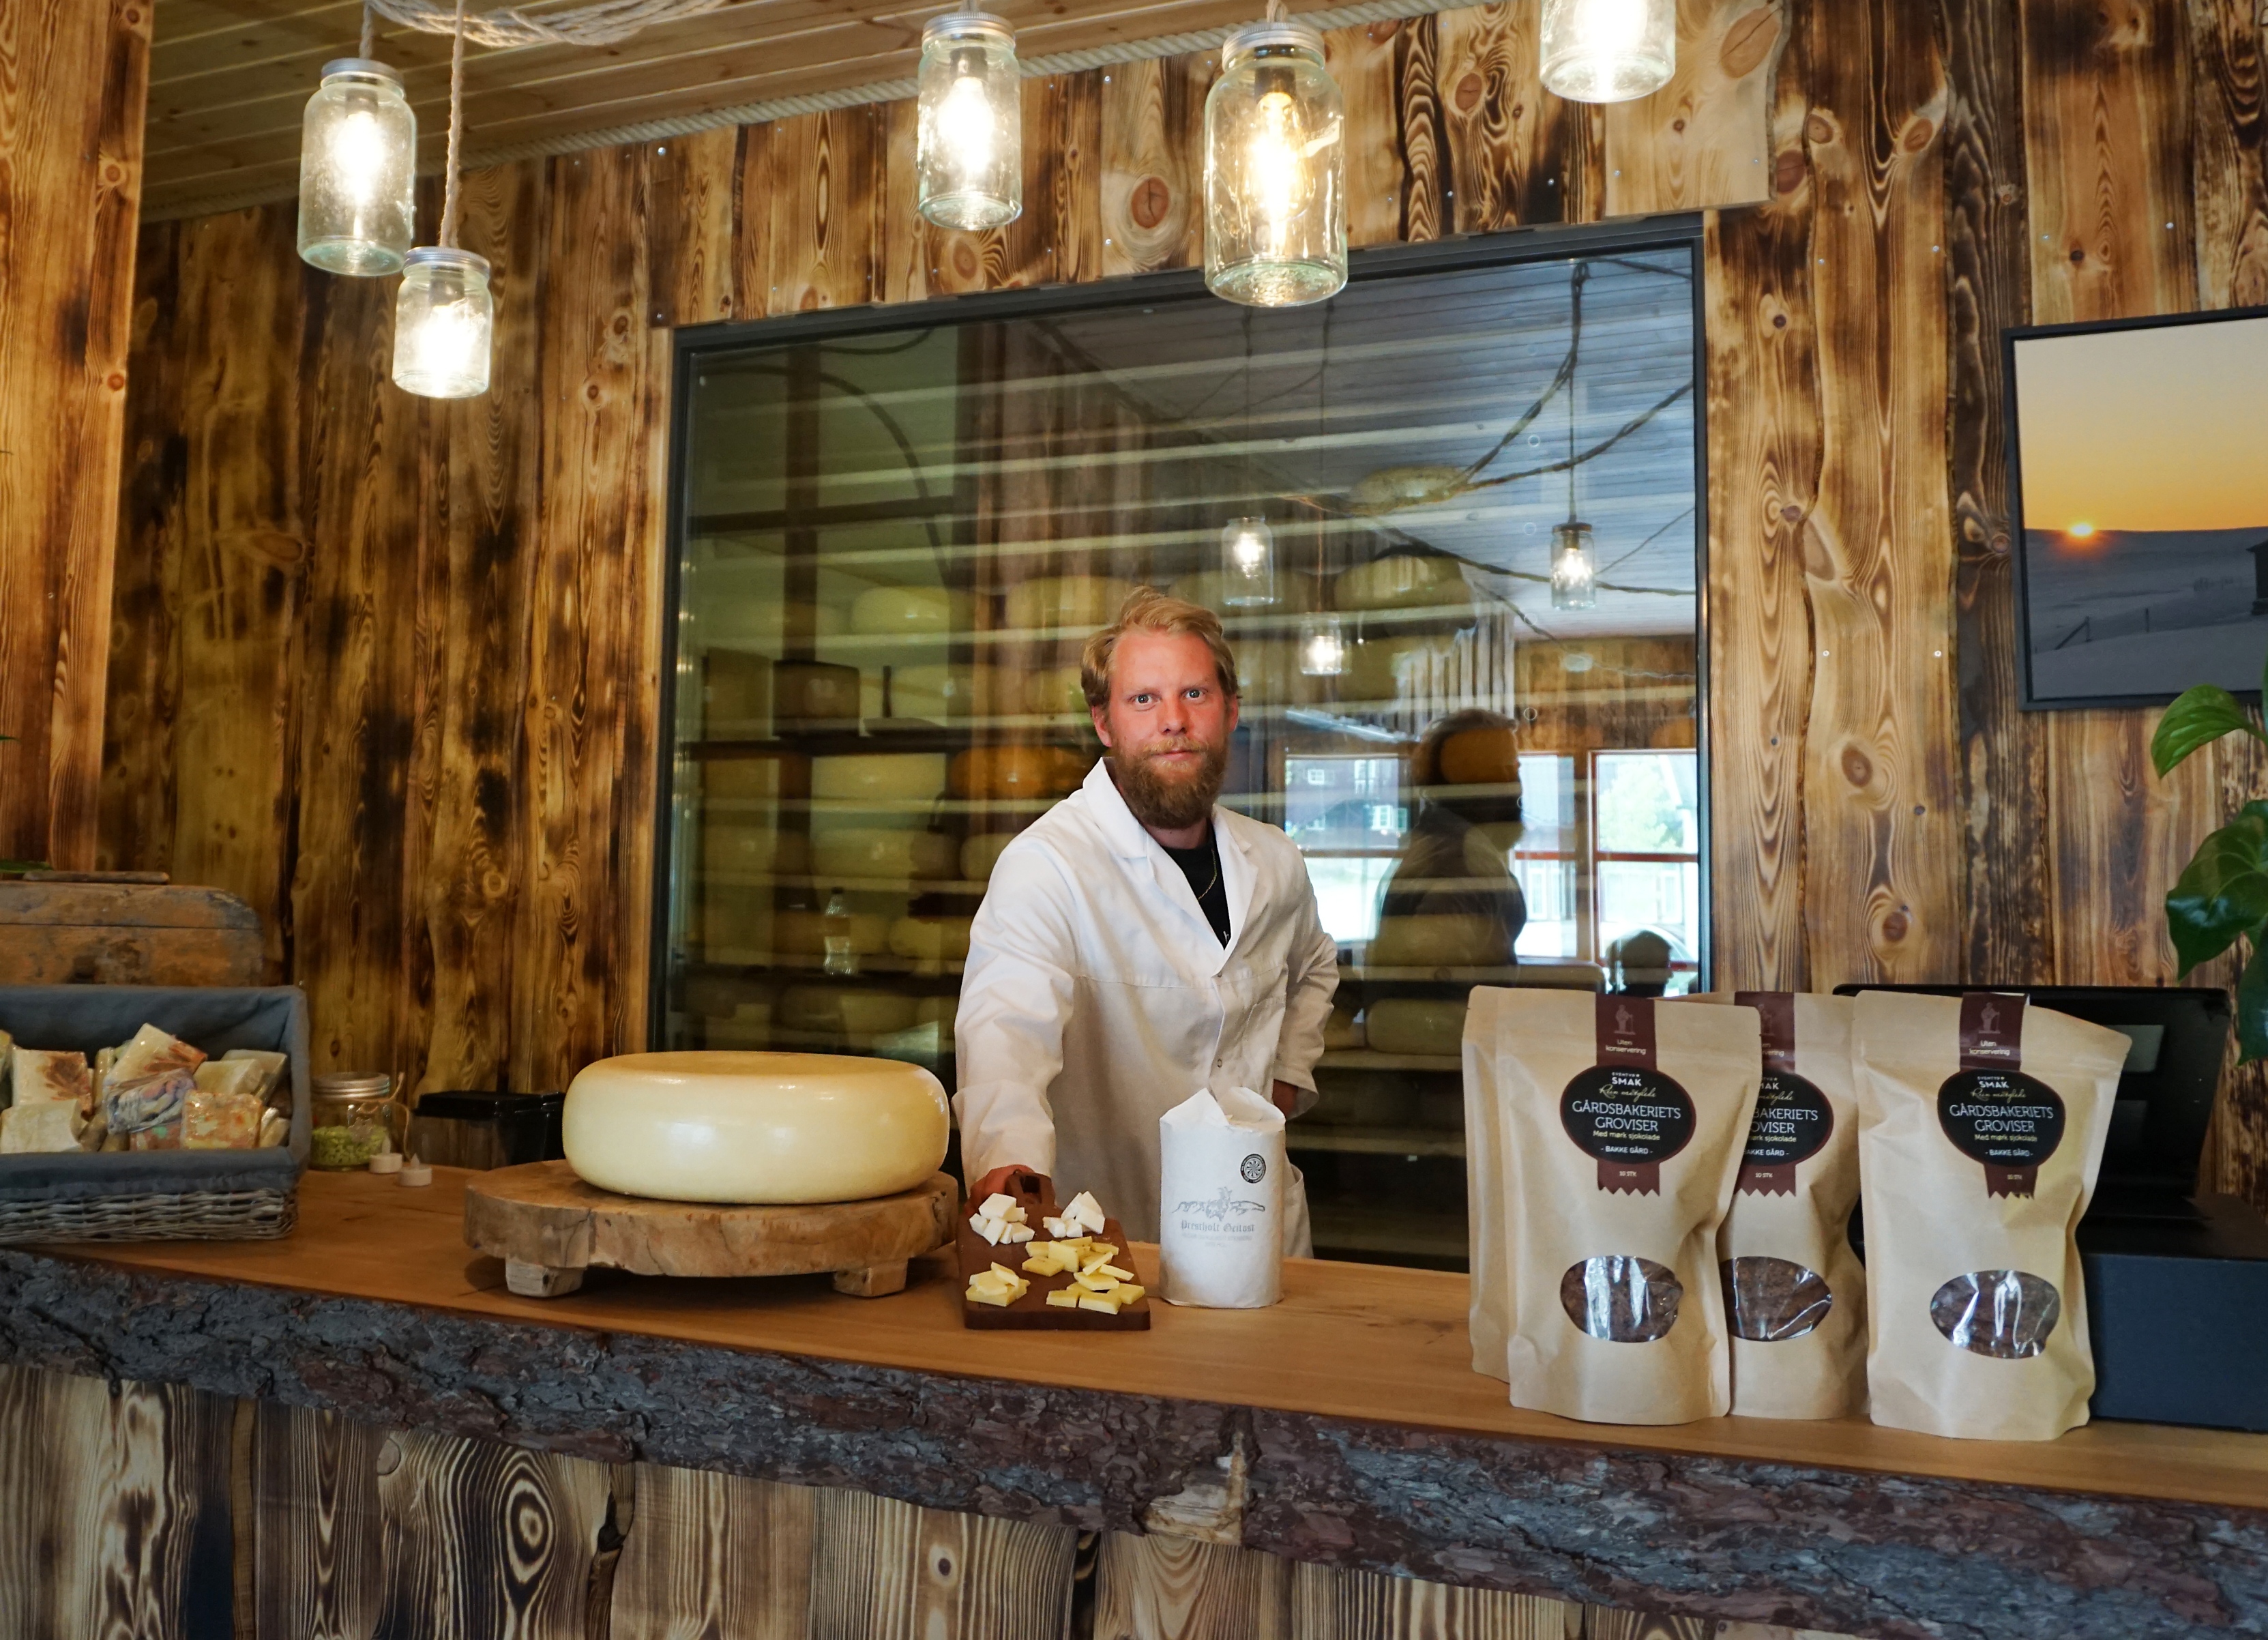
(1149, 610)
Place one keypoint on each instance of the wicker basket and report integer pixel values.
(192, 1215)
(184, 1195)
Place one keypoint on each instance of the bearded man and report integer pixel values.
(1140, 942)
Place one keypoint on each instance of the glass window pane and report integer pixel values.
(892, 542)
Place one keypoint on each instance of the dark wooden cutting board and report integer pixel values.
(1032, 1313)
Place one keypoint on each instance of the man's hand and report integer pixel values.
(1014, 1180)
(1286, 1095)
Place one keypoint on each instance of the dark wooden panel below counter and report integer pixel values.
(1369, 1442)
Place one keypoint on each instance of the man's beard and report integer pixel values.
(1168, 802)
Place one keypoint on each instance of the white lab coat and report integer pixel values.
(1097, 997)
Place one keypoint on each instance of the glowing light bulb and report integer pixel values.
(359, 156)
(964, 124)
(444, 321)
(1574, 570)
(1274, 164)
(1248, 564)
(1322, 647)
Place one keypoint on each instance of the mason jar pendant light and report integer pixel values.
(357, 163)
(1322, 647)
(1248, 564)
(1574, 568)
(1609, 50)
(1275, 168)
(443, 317)
(969, 161)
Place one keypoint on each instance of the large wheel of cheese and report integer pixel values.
(1015, 772)
(754, 1128)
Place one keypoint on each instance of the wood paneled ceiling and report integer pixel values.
(230, 77)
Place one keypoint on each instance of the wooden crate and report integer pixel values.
(58, 929)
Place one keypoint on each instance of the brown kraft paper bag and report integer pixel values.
(1795, 1293)
(1981, 1125)
(1619, 1127)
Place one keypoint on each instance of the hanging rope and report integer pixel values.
(369, 31)
(601, 23)
(456, 129)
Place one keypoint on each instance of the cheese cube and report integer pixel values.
(1096, 1284)
(1087, 1211)
(997, 1300)
(1094, 1250)
(1065, 1298)
(991, 1230)
(1061, 1229)
(1098, 1301)
(996, 1205)
(1112, 1271)
(1040, 1264)
(1127, 1292)
(1003, 1270)
(1017, 1234)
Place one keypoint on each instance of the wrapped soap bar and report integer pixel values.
(149, 1053)
(275, 1067)
(165, 1136)
(147, 1102)
(45, 1127)
(212, 1120)
(51, 1076)
(224, 1076)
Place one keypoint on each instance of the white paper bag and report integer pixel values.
(1221, 1201)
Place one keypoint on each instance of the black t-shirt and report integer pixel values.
(1201, 866)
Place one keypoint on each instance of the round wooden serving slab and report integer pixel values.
(548, 1227)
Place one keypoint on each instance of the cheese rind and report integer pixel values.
(754, 1128)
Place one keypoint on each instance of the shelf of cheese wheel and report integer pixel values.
(729, 1163)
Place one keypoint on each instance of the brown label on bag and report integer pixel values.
(1793, 1120)
(1624, 1029)
(1630, 1120)
(1775, 1025)
(1991, 1030)
(1992, 1112)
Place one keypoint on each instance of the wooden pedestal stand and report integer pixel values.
(548, 1227)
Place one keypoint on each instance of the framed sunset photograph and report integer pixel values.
(2138, 461)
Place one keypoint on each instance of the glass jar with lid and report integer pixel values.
(1274, 170)
(356, 1118)
(358, 162)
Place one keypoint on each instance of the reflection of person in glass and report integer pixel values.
(1452, 900)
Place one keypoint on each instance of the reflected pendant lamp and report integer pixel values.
(1574, 567)
(1248, 564)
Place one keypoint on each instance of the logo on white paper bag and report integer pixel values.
(1254, 1169)
(1220, 1213)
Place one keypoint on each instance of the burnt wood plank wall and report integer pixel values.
(386, 669)
(74, 75)
(170, 1514)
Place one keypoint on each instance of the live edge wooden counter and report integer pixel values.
(1345, 1425)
